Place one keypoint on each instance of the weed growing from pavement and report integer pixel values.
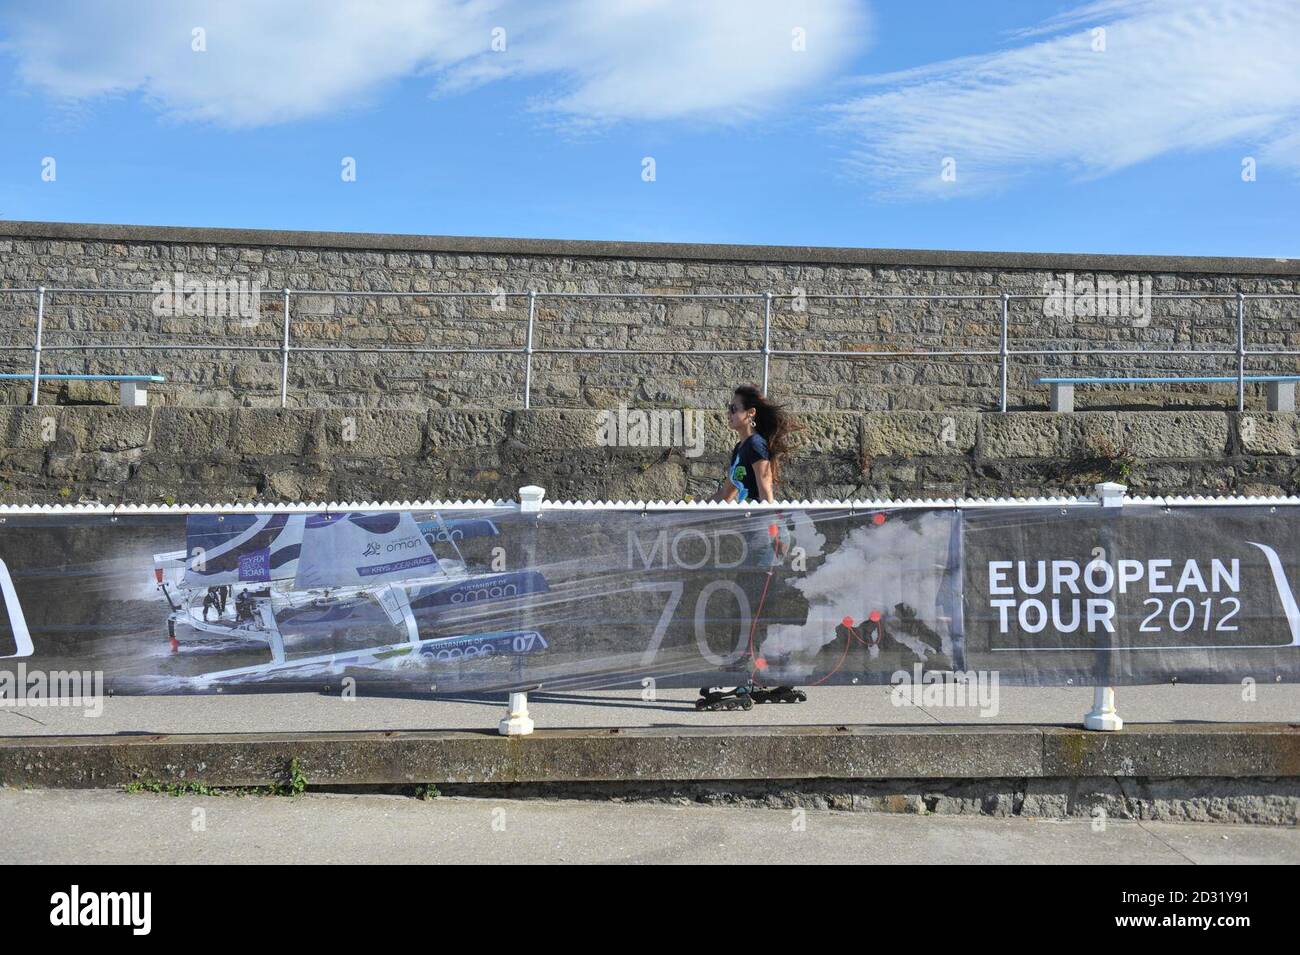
(174, 789)
(295, 785)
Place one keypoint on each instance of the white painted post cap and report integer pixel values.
(530, 498)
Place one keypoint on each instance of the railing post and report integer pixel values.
(528, 352)
(1102, 716)
(284, 356)
(1002, 355)
(517, 722)
(36, 349)
(767, 336)
(1241, 352)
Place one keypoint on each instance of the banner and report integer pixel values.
(492, 599)
(1109, 596)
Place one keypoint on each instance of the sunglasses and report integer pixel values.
(734, 409)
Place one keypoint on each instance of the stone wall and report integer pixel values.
(181, 455)
(123, 257)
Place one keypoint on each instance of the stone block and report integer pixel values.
(190, 431)
(556, 428)
(918, 433)
(1268, 432)
(383, 434)
(1175, 434)
(259, 431)
(1021, 434)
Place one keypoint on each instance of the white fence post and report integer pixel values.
(1102, 716)
(530, 499)
(517, 722)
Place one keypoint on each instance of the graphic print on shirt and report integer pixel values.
(737, 478)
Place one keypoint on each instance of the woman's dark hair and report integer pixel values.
(773, 422)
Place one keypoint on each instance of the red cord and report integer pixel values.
(754, 624)
(838, 663)
(843, 656)
(774, 533)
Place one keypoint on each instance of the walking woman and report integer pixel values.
(753, 475)
(764, 430)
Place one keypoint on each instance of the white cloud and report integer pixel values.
(1175, 75)
(596, 60)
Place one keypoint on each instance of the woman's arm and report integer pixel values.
(763, 475)
(726, 491)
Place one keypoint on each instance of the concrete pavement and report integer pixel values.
(51, 826)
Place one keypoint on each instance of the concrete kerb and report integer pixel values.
(644, 755)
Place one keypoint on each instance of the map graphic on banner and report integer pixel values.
(421, 601)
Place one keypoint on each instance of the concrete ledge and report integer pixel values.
(817, 255)
(53, 454)
(652, 756)
(1157, 750)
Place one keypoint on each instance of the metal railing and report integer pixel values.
(1004, 353)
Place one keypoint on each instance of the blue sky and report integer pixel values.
(1059, 137)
